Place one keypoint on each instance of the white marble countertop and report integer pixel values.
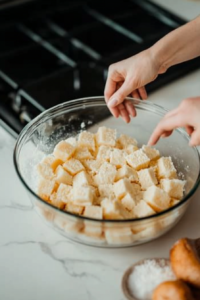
(37, 263)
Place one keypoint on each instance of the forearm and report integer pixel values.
(178, 46)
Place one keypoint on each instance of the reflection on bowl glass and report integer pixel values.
(41, 135)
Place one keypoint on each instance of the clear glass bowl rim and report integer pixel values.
(98, 101)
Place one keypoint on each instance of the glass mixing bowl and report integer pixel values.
(40, 136)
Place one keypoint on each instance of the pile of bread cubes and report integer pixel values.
(101, 176)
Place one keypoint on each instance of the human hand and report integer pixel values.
(128, 77)
(186, 115)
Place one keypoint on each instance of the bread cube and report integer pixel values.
(63, 151)
(73, 166)
(104, 153)
(118, 236)
(130, 149)
(126, 141)
(128, 202)
(114, 210)
(106, 136)
(92, 165)
(174, 202)
(83, 195)
(64, 193)
(73, 227)
(157, 198)
(86, 140)
(82, 179)
(56, 201)
(106, 175)
(174, 187)
(63, 176)
(147, 178)
(142, 209)
(52, 162)
(45, 188)
(166, 168)
(127, 172)
(74, 209)
(138, 160)
(122, 187)
(94, 212)
(72, 141)
(117, 158)
(92, 230)
(82, 154)
(45, 171)
(106, 191)
(152, 153)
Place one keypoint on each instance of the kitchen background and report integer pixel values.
(52, 52)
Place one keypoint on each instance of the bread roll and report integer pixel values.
(172, 290)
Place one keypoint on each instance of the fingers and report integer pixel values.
(120, 94)
(130, 108)
(195, 138)
(135, 94)
(124, 113)
(189, 130)
(166, 126)
(143, 93)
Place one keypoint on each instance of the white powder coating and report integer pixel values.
(147, 276)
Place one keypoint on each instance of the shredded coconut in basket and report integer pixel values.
(147, 276)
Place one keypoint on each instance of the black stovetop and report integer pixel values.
(52, 53)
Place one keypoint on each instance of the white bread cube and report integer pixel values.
(127, 172)
(104, 153)
(63, 151)
(114, 210)
(63, 176)
(73, 227)
(138, 160)
(125, 140)
(174, 202)
(86, 139)
(64, 193)
(92, 165)
(117, 158)
(122, 187)
(118, 236)
(52, 161)
(92, 230)
(94, 212)
(45, 171)
(136, 192)
(147, 178)
(142, 209)
(106, 175)
(166, 168)
(130, 149)
(82, 154)
(82, 179)
(83, 196)
(72, 141)
(154, 164)
(74, 209)
(45, 188)
(106, 136)
(56, 201)
(73, 166)
(152, 153)
(157, 198)
(174, 187)
(106, 191)
(128, 202)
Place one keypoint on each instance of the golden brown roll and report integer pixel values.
(172, 290)
(185, 261)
